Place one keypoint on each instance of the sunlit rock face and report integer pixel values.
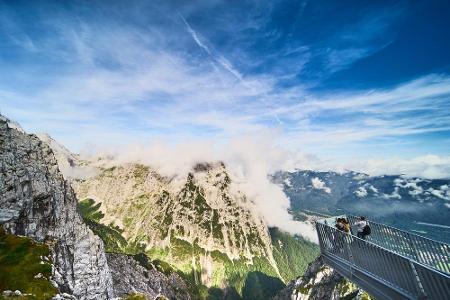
(71, 165)
(130, 276)
(37, 202)
(204, 209)
(320, 282)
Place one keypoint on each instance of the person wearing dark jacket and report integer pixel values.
(362, 228)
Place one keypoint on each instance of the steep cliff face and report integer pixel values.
(70, 164)
(203, 215)
(38, 203)
(140, 276)
(320, 282)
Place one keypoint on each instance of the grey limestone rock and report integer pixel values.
(37, 202)
(130, 276)
(320, 282)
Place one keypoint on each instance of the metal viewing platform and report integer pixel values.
(390, 263)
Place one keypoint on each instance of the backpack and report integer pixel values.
(367, 230)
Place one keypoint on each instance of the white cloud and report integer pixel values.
(320, 185)
(410, 184)
(146, 88)
(288, 182)
(443, 192)
(372, 188)
(394, 195)
(427, 166)
(361, 192)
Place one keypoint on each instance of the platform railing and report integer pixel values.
(387, 262)
(421, 249)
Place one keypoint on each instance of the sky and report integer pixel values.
(349, 84)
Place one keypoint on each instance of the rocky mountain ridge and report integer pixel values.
(39, 216)
(38, 203)
(205, 209)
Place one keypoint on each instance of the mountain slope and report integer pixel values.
(56, 253)
(286, 250)
(320, 282)
(38, 203)
(25, 266)
(200, 223)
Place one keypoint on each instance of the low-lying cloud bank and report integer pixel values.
(427, 166)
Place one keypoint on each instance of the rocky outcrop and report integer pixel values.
(37, 202)
(70, 164)
(320, 282)
(203, 209)
(133, 277)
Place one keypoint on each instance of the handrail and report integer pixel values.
(399, 230)
(427, 251)
(400, 271)
(421, 249)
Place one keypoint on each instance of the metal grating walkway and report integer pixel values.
(390, 264)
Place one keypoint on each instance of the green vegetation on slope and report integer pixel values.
(245, 280)
(114, 242)
(135, 297)
(260, 286)
(20, 262)
(292, 254)
(111, 235)
(242, 278)
(89, 210)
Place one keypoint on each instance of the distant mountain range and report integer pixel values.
(415, 204)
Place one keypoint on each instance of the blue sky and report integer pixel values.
(339, 79)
